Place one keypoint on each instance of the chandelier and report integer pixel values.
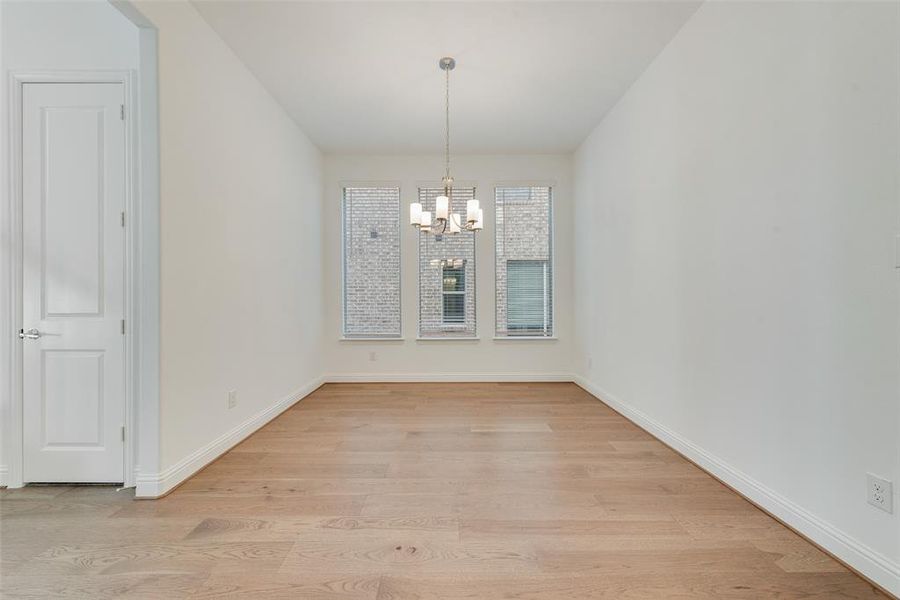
(444, 219)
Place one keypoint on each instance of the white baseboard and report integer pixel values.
(436, 377)
(872, 564)
(154, 485)
(4, 475)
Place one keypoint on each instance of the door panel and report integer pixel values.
(73, 167)
(73, 231)
(72, 399)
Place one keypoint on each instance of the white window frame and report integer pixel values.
(551, 184)
(448, 327)
(343, 185)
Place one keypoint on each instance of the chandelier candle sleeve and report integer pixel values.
(479, 221)
(415, 213)
(426, 218)
(441, 207)
(454, 223)
(472, 211)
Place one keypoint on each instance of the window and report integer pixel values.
(446, 274)
(371, 232)
(524, 267)
(454, 295)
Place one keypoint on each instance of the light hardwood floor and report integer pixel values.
(425, 491)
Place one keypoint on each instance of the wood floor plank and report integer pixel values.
(411, 556)
(187, 557)
(664, 586)
(309, 586)
(565, 529)
(134, 586)
(179, 505)
(477, 491)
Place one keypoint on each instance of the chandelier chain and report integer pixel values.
(447, 123)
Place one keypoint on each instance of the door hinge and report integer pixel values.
(123, 326)
(123, 433)
(123, 218)
(897, 251)
(122, 111)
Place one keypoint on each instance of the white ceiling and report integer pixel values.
(362, 77)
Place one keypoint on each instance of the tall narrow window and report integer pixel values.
(454, 295)
(371, 231)
(446, 274)
(524, 268)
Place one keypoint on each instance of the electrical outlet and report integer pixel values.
(231, 400)
(373, 356)
(880, 492)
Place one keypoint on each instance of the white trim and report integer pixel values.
(4, 472)
(14, 427)
(154, 485)
(551, 185)
(132, 269)
(387, 185)
(443, 377)
(869, 562)
(146, 326)
(370, 183)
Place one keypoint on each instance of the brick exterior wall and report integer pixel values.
(371, 261)
(524, 228)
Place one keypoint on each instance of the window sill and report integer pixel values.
(530, 338)
(449, 338)
(371, 339)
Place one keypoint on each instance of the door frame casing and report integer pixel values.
(14, 425)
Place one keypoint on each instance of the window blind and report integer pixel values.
(371, 262)
(446, 273)
(524, 261)
(527, 298)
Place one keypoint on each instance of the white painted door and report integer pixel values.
(73, 184)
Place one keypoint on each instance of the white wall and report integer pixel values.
(485, 358)
(67, 35)
(735, 259)
(241, 246)
(49, 36)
